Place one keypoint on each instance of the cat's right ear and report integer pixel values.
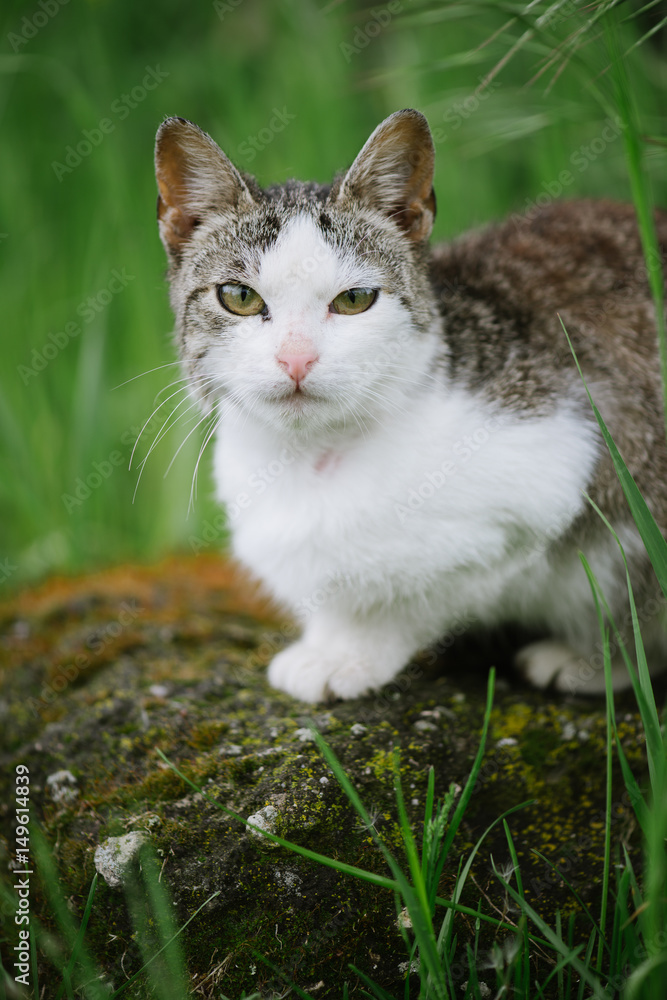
(194, 178)
(394, 173)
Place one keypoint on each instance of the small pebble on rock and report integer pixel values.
(569, 731)
(304, 735)
(158, 690)
(62, 787)
(423, 726)
(114, 857)
(264, 819)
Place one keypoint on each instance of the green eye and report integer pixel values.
(241, 300)
(354, 300)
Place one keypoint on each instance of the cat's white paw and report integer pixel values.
(555, 663)
(300, 671)
(310, 673)
(542, 663)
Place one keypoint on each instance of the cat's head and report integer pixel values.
(306, 305)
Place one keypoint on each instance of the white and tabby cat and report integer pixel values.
(428, 434)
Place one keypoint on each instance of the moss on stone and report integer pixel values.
(186, 677)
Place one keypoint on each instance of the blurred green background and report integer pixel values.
(83, 87)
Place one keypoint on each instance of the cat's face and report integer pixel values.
(305, 306)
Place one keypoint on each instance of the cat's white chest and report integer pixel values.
(310, 515)
(438, 507)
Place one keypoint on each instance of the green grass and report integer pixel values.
(498, 149)
(630, 939)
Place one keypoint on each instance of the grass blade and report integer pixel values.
(379, 880)
(470, 783)
(556, 943)
(164, 947)
(656, 546)
(640, 188)
(78, 944)
(606, 866)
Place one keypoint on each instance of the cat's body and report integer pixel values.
(414, 452)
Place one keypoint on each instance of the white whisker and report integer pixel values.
(166, 426)
(148, 420)
(209, 434)
(169, 364)
(203, 381)
(186, 438)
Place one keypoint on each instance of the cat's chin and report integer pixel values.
(304, 413)
(297, 404)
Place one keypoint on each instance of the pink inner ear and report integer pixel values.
(177, 224)
(170, 166)
(394, 173)
(193, 174)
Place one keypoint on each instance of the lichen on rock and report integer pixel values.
(185, 675)
(116, 857)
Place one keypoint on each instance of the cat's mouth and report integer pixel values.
(297, 403)
(298, 396)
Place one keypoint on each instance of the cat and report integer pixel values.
(402, 438)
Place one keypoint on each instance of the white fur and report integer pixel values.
(382, 506)
(549, 663)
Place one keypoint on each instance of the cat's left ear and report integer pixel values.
(394, 173)
(194, 178)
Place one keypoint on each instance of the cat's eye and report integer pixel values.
(354, 300)
(241, 299)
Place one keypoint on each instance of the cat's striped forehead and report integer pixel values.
(295, 241)
(298, 238)
(302, 258)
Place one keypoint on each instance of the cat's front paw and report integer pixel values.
(310, 673)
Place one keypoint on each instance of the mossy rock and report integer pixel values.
(102, 672)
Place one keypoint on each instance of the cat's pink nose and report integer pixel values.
(297, 365)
